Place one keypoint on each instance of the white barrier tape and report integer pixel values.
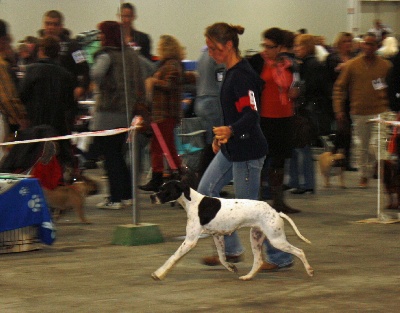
(137, 122)
(108, 132)
(379, 120)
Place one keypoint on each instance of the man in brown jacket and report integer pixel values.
(364, 78)
(12, 112)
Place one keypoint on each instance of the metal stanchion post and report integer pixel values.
(134, 166)
(136, 234)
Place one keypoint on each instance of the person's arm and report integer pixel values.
(81, 69)
(10, 104)
(100, 67)
(340, 90)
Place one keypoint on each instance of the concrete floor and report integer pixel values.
(356, 265)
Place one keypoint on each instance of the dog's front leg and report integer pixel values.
(189, 243)
(220, 244)
(256, 239)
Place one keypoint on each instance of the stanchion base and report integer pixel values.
(383, 218)
(137, 235)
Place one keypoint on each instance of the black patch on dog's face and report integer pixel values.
(171, 191)
(208, 209)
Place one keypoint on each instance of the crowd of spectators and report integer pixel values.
(303, 91)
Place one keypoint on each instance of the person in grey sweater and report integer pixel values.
(117, 74)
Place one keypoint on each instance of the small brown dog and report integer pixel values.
(331, 165)
(71, 197)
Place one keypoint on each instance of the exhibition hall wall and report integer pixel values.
(187, 19)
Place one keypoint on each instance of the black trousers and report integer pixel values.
(119, 176)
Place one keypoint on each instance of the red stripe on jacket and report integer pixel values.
(245, 101)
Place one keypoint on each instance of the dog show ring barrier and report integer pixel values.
(131, 234)
(382, 217)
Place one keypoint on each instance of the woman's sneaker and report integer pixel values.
(108, 205)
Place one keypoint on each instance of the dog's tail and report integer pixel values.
(294, 226)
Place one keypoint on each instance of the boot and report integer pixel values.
(276, 186)
(155, 183)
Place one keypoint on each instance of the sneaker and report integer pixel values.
(127, 202)
(214, 260)
(108, 205)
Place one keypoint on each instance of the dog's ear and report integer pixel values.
(186, 190)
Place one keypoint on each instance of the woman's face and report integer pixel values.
(300, 50)
(218, 51)
(271, 49)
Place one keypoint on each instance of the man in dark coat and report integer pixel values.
(47, 91)
(71, 56)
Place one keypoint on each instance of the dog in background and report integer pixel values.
(391, 180)
(332, 164)
(217, 216)
(71, 197)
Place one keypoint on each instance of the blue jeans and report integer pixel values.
(302, 164)
(246, 178)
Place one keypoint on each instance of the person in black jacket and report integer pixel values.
(71, 55)
(132, 37)
(47, 91)
(312, 106)
(334, 64)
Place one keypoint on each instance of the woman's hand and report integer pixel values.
(216, 146)
(222, 134)
(149, 83)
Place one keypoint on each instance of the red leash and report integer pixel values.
(163, 146)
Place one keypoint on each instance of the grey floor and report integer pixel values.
(356, 264)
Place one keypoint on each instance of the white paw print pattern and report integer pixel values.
(35, 203)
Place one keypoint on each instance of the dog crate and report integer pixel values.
(20, 240)
(190, 141)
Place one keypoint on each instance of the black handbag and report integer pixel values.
(302, 131)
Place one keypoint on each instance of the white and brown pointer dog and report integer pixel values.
(220, 217)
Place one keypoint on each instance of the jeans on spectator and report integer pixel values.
(302, 164)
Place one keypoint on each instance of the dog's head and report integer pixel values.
(338, 160)
(86, 186)
(171, 191)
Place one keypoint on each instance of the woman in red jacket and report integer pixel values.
(276, 68)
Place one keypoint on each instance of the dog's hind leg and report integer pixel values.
(281, 243)
(220, 245)
(256, 239)
(189, 243)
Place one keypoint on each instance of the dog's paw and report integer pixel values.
(232, 268)
(310, 271)
(155, 277)
(246, 277)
